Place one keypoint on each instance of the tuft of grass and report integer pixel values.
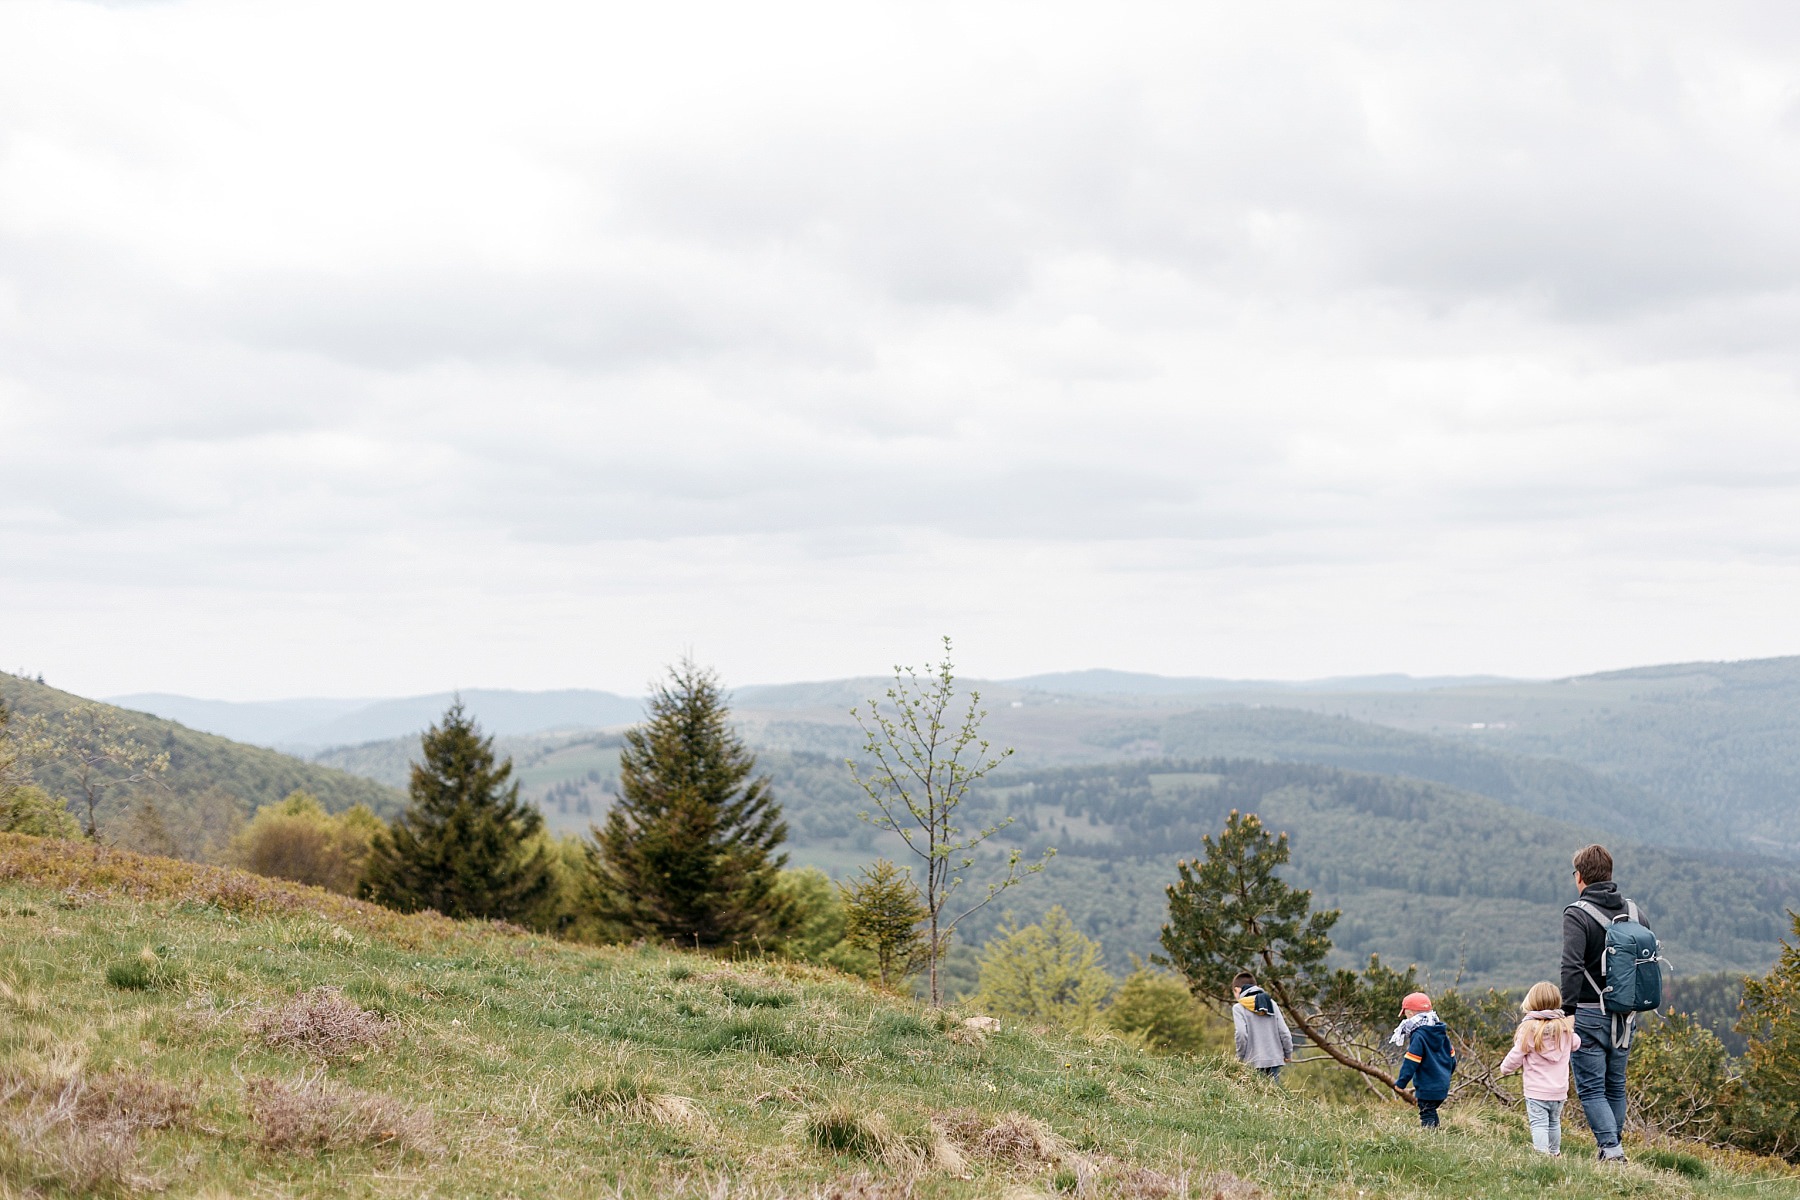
(78, 1133)
(1012, 1138)
(757, 1034)
(845, 1131)
(744, 996)
(1671, 1160)
(146, 972)
(680, 972)
(636, 1099)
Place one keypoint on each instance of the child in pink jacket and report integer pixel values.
(1542, 1046)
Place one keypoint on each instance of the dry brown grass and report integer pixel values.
(86, 873)
(309, 1115)
(78, 1132)
(1223, 1185)
(1012, 1138)
(323, 1023)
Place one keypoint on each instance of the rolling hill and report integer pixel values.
(251, 775)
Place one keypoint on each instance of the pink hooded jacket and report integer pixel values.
(1546, 1070)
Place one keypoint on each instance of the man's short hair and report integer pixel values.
(1593, 864)
(1242, 979)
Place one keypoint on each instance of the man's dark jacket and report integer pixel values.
(1584, 943)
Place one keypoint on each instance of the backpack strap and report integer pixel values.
(1631, 912)
(1603, 921)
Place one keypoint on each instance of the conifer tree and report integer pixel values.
(882, 911)
(466, 845)
(688, 852)
(1230, 911)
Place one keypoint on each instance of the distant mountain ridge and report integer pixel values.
(311, 724)
(316, 724)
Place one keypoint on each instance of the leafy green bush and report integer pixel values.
(1048, 973)
(1156, 1009)
(1681, 1083)
(1768, 1119)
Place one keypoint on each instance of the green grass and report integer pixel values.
(516, 1066)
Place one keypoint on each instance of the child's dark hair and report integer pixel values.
(1242, 979)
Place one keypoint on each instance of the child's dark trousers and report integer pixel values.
(1428, 1112)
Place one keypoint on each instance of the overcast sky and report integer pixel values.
(375, 348)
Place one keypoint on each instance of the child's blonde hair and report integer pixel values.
(1543, 997)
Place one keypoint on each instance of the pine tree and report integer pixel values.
(688, 852)
(882, 911)
(1231, 912)
(466, 845)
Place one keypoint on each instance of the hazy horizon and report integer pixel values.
(361, 349)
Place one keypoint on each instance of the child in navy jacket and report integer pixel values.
(1430, 1060)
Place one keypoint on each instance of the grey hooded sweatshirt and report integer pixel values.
(1261, 1032)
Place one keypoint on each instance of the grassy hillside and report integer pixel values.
(199, 761)
(204, 1033)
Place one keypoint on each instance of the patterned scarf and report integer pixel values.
(1403, 1032)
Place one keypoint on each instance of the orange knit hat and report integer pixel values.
(1416, 1002)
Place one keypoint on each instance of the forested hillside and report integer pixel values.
(1559, 789)
(1718, 743)
(201, 763)
(1423, 872)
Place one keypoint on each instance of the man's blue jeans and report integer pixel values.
(1599, 1068)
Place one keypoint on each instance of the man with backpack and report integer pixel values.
(1611, 971)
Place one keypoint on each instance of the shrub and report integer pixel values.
(1048, 973)
(29, 809)
(1680, 1079)
(323, 1023)
(296, 839)
(310, 1115)
(1156, 1009)
(1768, 1118)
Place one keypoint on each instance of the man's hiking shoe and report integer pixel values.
(1617, 1155)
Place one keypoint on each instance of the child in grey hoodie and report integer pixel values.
(1261, 1032)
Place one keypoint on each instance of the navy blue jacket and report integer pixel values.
(1429, 1062)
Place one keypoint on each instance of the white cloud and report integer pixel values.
(383, 347)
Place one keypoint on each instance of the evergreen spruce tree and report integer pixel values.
(466, 845)
(688, 853)
(882, 914)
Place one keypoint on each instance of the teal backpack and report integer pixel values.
(1631, 965)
